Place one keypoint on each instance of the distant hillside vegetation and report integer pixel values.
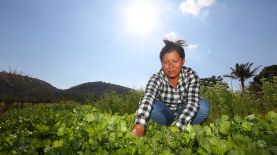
(94, 89)
(21, 88)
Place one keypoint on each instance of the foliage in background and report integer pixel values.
(225, 102)
(267, 73)
(269, 91)
(242, 72)
(222, 100)
(17, 87)
(212, 81)
(127, 103)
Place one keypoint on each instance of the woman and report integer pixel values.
(172, 95)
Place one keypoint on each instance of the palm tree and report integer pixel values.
(242, 72)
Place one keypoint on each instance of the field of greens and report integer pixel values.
(82, 129)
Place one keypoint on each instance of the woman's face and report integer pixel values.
(172, 64)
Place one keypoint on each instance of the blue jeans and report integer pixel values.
(162, 115)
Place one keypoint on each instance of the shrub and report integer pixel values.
(121, 104)
(270, 93)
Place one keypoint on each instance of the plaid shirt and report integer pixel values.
(159, 88)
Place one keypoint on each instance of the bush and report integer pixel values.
(224, 102)
(270, 93)
(121, 104)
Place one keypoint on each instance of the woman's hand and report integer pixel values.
(138, 130)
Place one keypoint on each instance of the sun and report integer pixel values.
(141, 17)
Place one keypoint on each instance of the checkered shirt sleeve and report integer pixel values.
(192, 105)
(145, 105)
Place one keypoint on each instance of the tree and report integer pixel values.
(91, 98)
(242, 72)
(15, 85)
(267, 73)
(212, 81)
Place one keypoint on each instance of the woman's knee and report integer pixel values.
(204, 105)
(203, 112)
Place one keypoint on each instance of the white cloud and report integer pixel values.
(194, 7)
(172, 36)
(192, 46)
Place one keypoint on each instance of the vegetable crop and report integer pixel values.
(84, 130)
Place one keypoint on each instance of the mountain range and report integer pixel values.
(21, 88)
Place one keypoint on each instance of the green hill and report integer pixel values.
(21, 88)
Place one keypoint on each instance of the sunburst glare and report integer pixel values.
(141, 17)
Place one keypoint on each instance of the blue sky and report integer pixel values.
(69, 42)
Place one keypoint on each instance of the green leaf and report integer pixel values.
(61, 131)
(272, 116)
(224, 128)
(237, 119)
(89, 118)
(208, 131)
(261, 144)
(174, 129)
(41, 128)
(246, 126)
(57, 143)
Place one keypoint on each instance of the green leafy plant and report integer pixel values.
(82, 129)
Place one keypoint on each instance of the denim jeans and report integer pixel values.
(162, 115)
